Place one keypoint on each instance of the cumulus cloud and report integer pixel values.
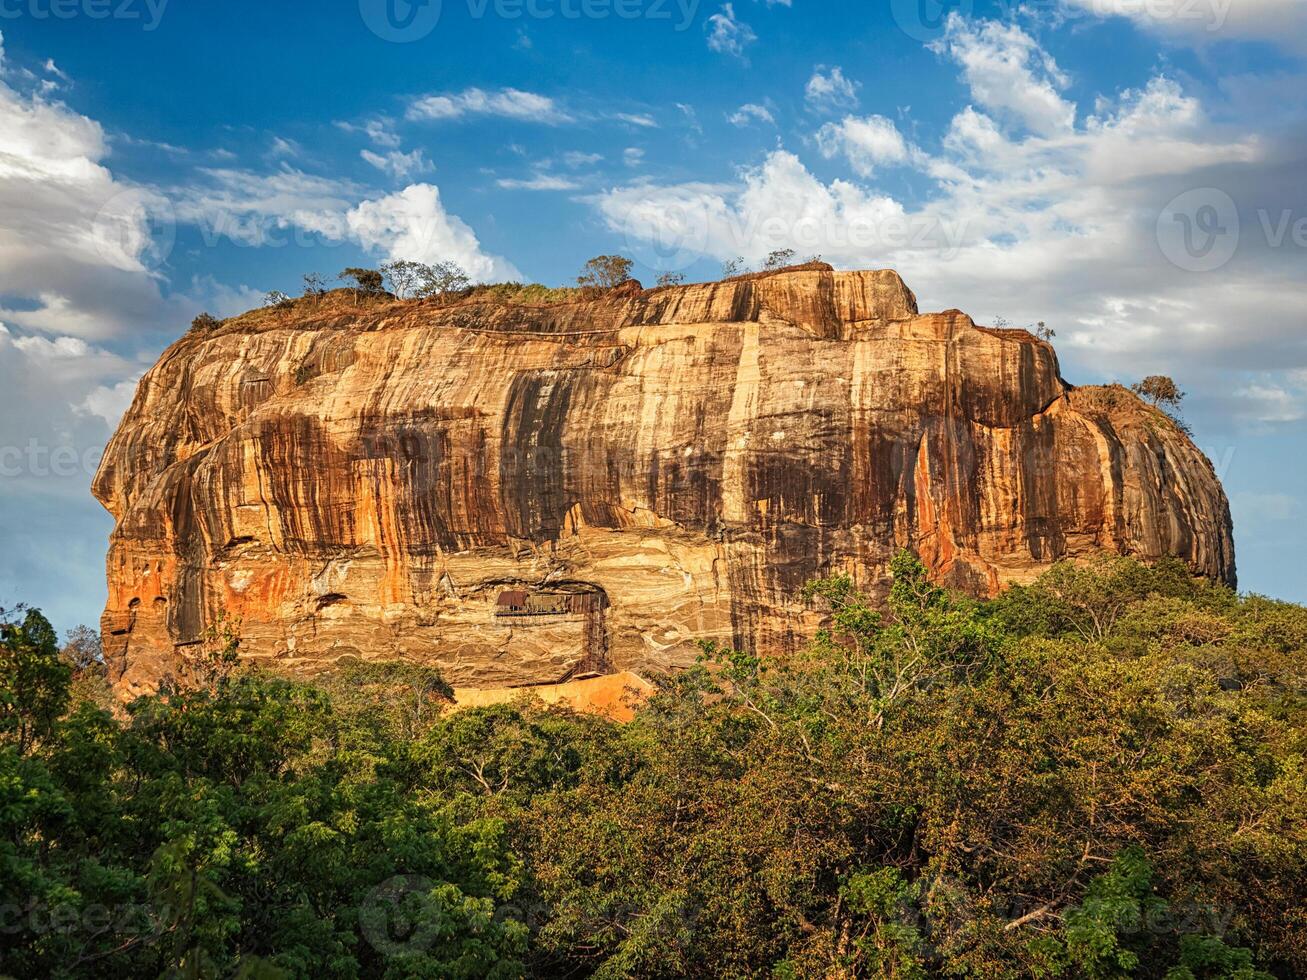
(829, 91)
(1281, 22)
(751, 112)
(109, 401)
(77, 245)
(727, 35)
(413, 224)
(399, 165)
(507, 103)
(867, 143)
(1032, 215)
(1008, 73)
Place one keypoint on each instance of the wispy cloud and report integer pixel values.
(750, 112)
(540, 182)
(399, 165)
(828, 91)
(507, 103)
(576, 159)
(727, 35)
(638, 119)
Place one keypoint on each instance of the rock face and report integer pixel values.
(530, 494)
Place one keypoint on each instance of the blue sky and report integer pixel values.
(1129, 171)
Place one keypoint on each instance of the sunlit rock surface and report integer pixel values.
(534, 494)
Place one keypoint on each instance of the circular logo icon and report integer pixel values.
(1198, 231)
(400, 21)
(395, 919)
(925, 20)
(666, 236)
(135, 228)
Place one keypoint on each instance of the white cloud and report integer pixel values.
(378, 130)
(76, 244)
(1009, 73)
(399, 165)
(1282, 22)
(1267, 401)
(638, 119)
(109, 402)
(223, 300)
(576, 159)
(1060, 225)
(540, 182)
(413, 224)
(726, 35)
(866, 143)
(633, 156)
(282, 147)
(261, 209)
(830, 91)
(751, 112)
(508, 103)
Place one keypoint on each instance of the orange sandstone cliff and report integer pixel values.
(531, 494)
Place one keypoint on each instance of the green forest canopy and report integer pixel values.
(1098, 775)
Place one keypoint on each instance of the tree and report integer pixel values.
(276, 298)
(316, 285)
(779, 259)
(404, 276)
(734, 267)
(82, 648)
(1159, 390)
(605, 271)
(671, 279)
(442, 279)
(1044, 332)
(367, 282)
(204, 323)
(34, 681)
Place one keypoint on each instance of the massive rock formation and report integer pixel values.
(528, 494)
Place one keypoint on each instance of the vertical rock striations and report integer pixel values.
(528, 494)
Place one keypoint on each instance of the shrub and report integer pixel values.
(204, 323)
(1159, 390)
(605, 271)
(367, 282)
(442, 279)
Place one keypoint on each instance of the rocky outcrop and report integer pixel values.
(532, 494)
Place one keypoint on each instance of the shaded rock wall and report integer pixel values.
(369, 481)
